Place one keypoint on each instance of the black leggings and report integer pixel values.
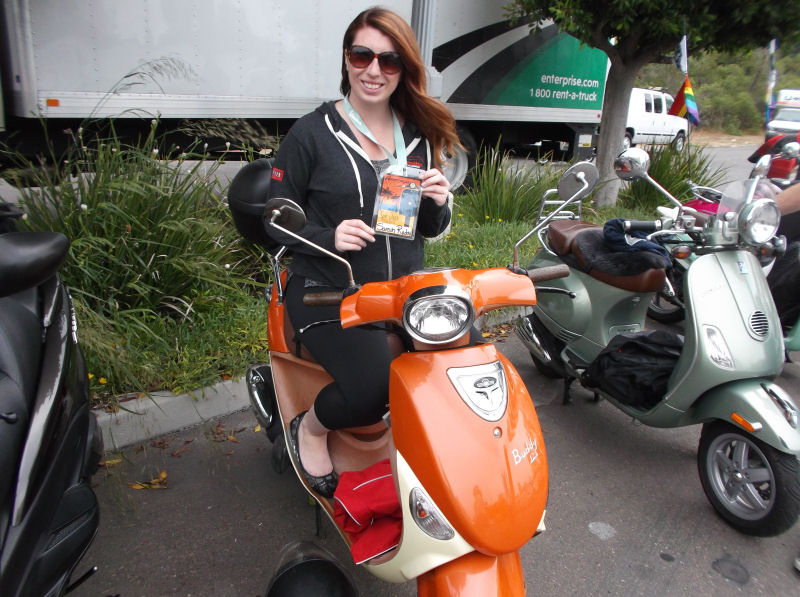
(358, 359)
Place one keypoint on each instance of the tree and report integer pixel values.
(633, 33)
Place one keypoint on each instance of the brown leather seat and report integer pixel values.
(561, 234)
(583, 243)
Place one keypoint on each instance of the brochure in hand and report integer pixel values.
(397, 202)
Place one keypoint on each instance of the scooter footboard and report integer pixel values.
(758, 405)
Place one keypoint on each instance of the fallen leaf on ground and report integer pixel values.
(107, 463)
(158, 482)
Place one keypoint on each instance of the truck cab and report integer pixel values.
(649, 121)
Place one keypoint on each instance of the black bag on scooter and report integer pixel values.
(634, 368)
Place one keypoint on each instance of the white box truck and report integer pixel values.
(275, 60)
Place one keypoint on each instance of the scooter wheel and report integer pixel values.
(663, 310)
(751, 485)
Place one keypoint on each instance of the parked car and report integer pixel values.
(650, 123)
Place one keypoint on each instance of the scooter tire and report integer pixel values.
(762, 508)
(280, 455)
(545, 369)
(657, 313)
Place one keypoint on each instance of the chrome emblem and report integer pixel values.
(485, 383)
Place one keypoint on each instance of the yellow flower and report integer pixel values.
(103, 381)
(460, 215)
(91, 376)
(471, 247)
(499, 219)
(475, 263)
(487, 217)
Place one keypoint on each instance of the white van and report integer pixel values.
(649, 122)
(786, 117)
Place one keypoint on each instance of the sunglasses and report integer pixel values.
(390, 63)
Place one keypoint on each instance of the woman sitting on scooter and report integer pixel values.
(329, 163)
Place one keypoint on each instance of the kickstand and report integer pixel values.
(566, 398)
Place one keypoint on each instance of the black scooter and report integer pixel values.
(50, 443)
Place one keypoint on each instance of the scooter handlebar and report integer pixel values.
(330, 298)
(641, 225)
(550, 272)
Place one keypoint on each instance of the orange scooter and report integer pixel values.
(461, 435)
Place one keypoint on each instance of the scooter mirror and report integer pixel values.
(791, 150)
(762, 166)
(286, 213)
(575, 178)
(632, 164)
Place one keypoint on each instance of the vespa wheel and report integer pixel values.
(664, 310)
(753, 486)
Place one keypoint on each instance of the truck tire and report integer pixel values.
(468, 141)
(627, 141)
(679, 142)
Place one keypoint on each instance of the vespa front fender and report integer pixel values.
(763, 404)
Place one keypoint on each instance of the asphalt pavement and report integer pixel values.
(626, 512)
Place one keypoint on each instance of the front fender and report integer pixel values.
(758, 401)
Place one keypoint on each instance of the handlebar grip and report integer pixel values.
(330, 298)
(641, 225)
(550, 272)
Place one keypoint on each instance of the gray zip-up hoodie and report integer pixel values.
(321, 166)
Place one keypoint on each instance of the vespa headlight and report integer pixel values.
(758, 221)
(438, 314)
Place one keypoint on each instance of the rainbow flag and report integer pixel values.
(684, 104)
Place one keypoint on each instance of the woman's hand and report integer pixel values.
(435, 186)
(352, 235)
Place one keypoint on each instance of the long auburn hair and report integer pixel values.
(410, 98)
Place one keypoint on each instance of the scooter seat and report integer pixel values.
(582, 246)
(562, 233)
(29, 258)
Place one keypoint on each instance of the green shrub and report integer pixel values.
(504, 191)
(153, 255)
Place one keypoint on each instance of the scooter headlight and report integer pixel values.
(758, 221)
(438, 314)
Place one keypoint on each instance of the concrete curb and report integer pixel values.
(162, 412)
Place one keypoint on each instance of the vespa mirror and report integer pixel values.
(791, 150)
(762, 166)
(632, 164)
(286, 214)
(578, 181)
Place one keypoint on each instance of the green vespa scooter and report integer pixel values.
(590, 327)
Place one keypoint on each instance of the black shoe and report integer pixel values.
(325, 485)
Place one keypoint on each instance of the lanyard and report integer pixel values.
(399, 142)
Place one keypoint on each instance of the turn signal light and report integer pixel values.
(681, 252)
(742, 422)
